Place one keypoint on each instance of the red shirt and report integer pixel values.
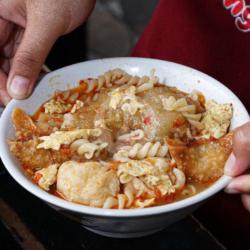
(202, 34)
(212, 36)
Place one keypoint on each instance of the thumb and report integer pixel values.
(239, 160)
(29, 58)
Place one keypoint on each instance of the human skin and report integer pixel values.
(28, 30)
(238, 165)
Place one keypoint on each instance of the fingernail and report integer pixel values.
(230, 165)
(19, 87)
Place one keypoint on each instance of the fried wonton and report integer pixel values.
(24, 126)
(202, 160)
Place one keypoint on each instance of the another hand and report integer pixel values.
(28, 30)
(238, 165)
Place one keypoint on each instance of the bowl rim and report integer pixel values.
(101, 212)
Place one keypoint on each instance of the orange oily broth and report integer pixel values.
(187, 191)
(179, 195)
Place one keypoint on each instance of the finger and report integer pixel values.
(246, 201)
(239, 184)
(36, 43)
(5, 31)
(4, 97)
(239, 160)
(5, 64)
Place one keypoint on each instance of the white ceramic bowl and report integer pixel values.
(108, 222)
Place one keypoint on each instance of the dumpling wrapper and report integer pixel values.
(202, 161)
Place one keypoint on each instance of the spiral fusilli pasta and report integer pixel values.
(88, 149)
(141, 151)
(187, 110)
(131, 193)
(122, 201)
(137, 134)
(110, 202)
(180, 178)
(116, 76)
(120, 77)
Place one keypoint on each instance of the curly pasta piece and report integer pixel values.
(106, 80)
(180, 178)
(62, 96)
(88, 149)
(131, 196)
(129, 193)
(135, 135)
(141, 151)
(187, 110)
(110, 202)
(122, 199)
(120, 77)
(148, 85)
(144, 203)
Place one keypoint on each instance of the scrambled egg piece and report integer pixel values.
(54, 106)
(151, 172)
(136, 168)
(217, 118)
(88, 183)
(56, 139)
(47, 176)
(165, 185)
(126, 99)
(76, 106)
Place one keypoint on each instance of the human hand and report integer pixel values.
(28, 30)
(238, 165)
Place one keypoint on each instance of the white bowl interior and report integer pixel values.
(182, 77)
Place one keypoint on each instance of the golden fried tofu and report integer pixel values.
(203, 161)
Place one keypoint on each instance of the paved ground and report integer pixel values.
(115, 26)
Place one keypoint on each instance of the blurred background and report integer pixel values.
(111, 31)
